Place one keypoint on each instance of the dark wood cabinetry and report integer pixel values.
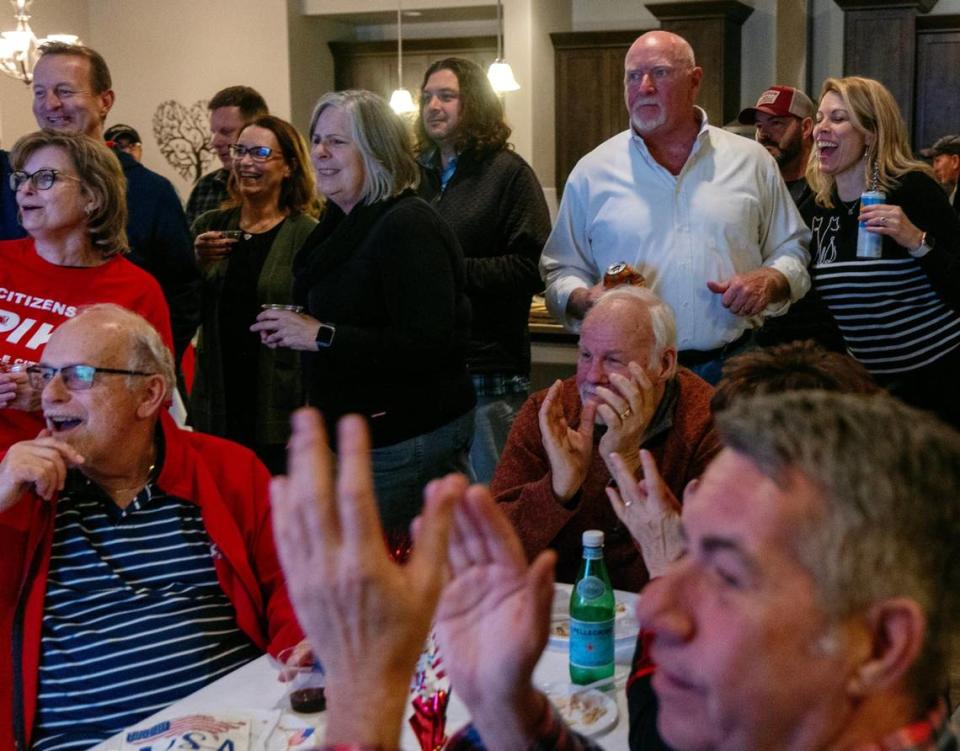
(373, 65)
(589, 88)
(917, 57)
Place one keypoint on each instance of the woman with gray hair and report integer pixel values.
(387, 321)
(71, 200)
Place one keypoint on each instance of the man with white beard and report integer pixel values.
(702, 213)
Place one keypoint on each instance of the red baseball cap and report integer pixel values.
(779, 101)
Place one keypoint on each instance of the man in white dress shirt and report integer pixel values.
(702, 213)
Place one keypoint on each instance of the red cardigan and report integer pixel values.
(230, 485)
(522, 482)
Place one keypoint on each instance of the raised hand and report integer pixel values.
(649, 509)
(366, 617)
(626, 410)
(568, 450)
(493, 621)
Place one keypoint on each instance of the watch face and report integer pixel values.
(325, 335)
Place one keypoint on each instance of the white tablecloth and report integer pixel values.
(255, 686)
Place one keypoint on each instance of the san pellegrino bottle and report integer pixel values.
(592, 608)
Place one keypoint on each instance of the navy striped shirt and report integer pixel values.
(891, 317)
(134, 617)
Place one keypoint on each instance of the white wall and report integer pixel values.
(48, 17)
(186, 51)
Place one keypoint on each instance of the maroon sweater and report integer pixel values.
(522, 481)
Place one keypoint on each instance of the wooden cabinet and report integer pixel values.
(589, 89)
(373, 65)
(916, 56)
(937, 104)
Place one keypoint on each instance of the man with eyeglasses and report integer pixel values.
(72, 92)
(136, 559)
(231, 109)
(493, 201)
(701, 213)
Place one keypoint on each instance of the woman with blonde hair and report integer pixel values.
(71, 200)
(388, 321)
(897, 312)
(243, 391)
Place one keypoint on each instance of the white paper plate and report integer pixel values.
(625, 625)
(589, 712)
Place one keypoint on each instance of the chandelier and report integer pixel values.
(19, 49)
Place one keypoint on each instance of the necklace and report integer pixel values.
(850, 207)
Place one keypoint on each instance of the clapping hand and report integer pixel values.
(626, 409)
(649, 509)
(366, 616)
(493, 622)
(569, 451)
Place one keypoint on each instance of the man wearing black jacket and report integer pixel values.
(493, 201)
(72, 92)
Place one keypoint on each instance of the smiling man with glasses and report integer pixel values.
(164, 575)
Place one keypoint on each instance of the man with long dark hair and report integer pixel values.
(493, 201)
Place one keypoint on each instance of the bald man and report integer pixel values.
(702, 213)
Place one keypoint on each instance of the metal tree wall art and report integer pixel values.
(182, 135)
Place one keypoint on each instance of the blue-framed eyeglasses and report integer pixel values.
(257, 153)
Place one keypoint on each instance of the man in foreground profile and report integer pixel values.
(816, 608)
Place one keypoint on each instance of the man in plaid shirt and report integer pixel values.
(816, 607)
(230, 110)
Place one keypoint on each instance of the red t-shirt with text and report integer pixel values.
(36, 296)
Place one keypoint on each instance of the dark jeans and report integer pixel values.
(401, 471)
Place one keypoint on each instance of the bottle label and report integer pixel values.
(591, 643)
(591, 554)
(590, 587)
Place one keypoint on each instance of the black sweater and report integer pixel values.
(498, 213)
(390, 278)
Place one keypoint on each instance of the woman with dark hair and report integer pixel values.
(492, 200)
(71, 199)
(897, 312)
(243, 391)
(382, 281)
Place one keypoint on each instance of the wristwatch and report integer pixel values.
(925, 246)
(325, 335)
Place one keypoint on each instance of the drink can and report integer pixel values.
(869, 244)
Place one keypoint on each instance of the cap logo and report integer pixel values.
(768, 97)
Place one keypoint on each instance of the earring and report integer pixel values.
(88, 209)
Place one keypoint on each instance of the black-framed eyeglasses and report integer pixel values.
(75, 377)
(42, 179)
(257, 153)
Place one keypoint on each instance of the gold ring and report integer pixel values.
(626, 413)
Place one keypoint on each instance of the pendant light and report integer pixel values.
(401, 101)
(499, 73)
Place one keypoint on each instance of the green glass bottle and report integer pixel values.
(592, 607)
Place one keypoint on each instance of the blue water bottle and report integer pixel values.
(869, 244)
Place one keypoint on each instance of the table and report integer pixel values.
(255, 686)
